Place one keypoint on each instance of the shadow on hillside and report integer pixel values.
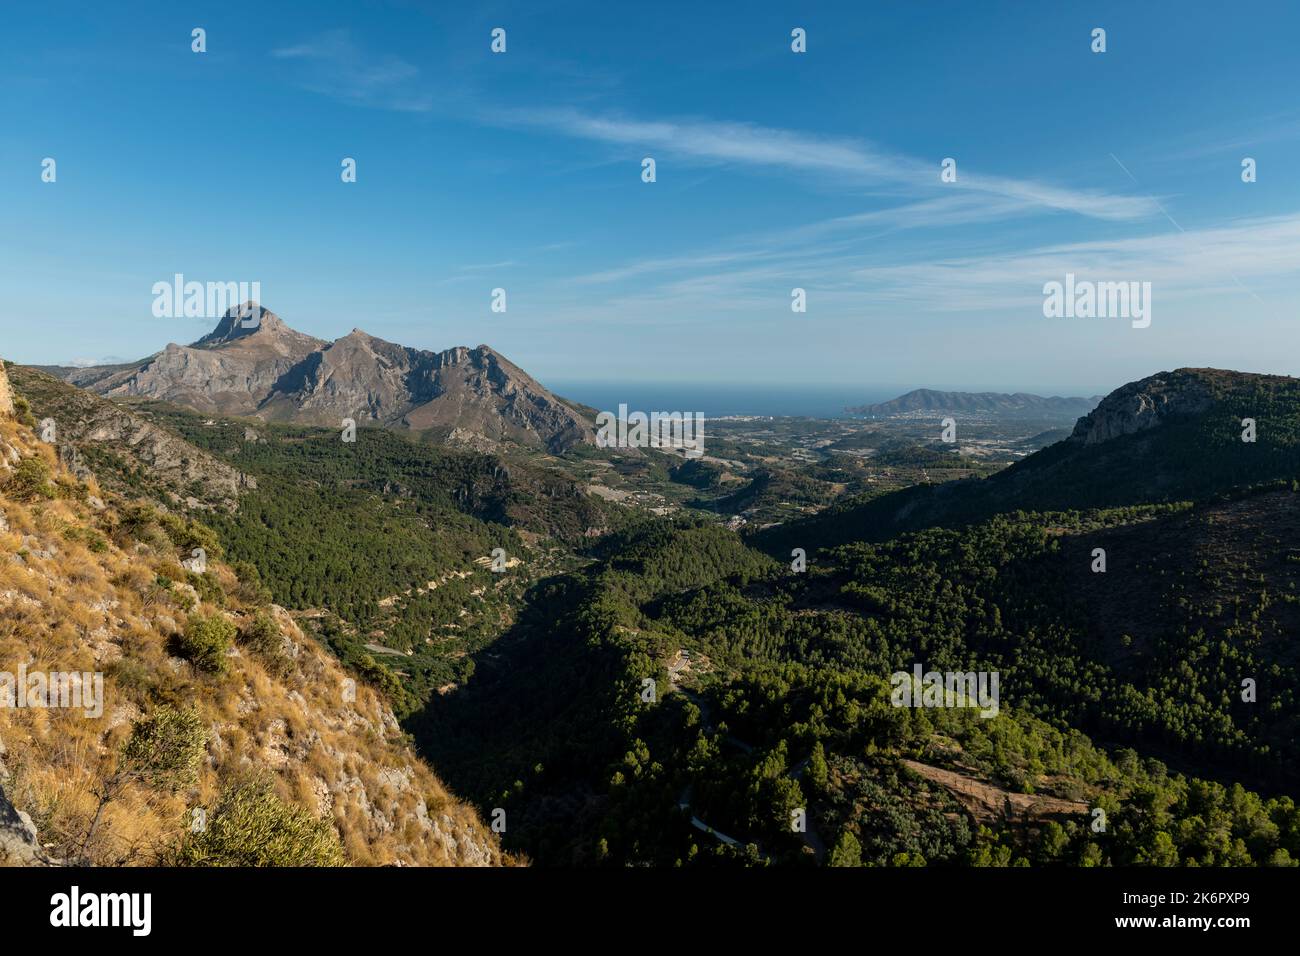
(531, 725)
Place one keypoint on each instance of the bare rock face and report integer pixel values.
(481, 392)
(1144, 404)
(6, 393)
(468, 396)
(19, 844)
(473, 396)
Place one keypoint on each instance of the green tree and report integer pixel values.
(1161, 852)
(847, 850)
(30, 480)
(818, 772)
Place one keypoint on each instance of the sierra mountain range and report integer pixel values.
(472, 397)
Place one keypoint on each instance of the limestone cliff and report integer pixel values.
(1144, 404)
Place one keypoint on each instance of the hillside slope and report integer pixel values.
(1172, 436)
(291, 761)
(693, 697)
(126, 452)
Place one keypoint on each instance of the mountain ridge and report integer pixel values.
(93, 432)
(475, 397)
(1006, 403)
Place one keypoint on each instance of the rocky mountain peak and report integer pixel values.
(242, 321)
(249, 323)
(358, 337)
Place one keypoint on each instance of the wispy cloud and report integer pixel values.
(1186, 264)
(336, 66)
(1223, 265)
(1242, 133)
(817, 240)
(486, 266)
(723, 142)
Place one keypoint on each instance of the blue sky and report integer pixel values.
(774, 170)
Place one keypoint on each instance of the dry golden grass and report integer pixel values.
(104, 611)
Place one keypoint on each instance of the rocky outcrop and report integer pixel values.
(465, 396)
(6, 393)
(19, 842)
(1144, 404)
(19, 845)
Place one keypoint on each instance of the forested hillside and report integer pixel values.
(642, 690)
(771, 696)
(1171, 437)
(384, 546)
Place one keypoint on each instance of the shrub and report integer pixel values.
(380, 677)
(138, 521)
(70, 489)
(261, 634)
(91, 538)
(187, 535)
(131, 676)
(251, 826)
(163, 752)
(205, 642)
(135, 516)
(208, 587)
(23, 411)
(164, 749)
(251, 589)
(30, 480)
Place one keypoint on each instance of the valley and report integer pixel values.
(613, 648)
(558, 467)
